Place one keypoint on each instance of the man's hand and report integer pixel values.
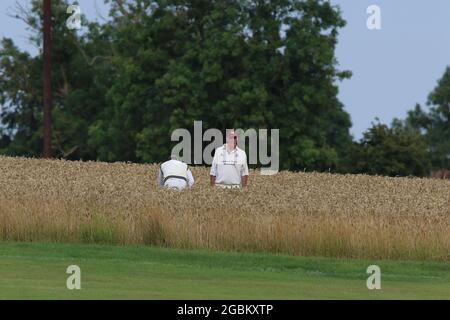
(212, 181)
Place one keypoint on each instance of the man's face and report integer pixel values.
(231, 138)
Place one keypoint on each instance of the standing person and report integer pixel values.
(229, 167)
(175, 174)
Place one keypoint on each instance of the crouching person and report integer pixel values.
(175, 174)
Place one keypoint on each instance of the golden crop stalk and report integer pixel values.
(295, 213)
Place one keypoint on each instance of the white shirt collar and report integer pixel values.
(226, 149)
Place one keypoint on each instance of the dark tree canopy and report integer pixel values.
(434, 124)
(79, 86)
(391, 151)
(122, 87)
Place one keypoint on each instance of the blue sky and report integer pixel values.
(393, 68)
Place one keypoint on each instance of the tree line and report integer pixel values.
(122, 86)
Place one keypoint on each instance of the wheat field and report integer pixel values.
(311, 214)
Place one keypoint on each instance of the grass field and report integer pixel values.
(38, 271)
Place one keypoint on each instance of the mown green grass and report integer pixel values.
(38, 271)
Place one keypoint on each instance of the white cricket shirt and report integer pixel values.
(168, 175)
(229, 167)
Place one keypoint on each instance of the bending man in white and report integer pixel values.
(175, 174)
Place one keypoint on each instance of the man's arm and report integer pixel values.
(213, 172)
(244, 173)
(160, 179)
(244, 181)
(190, 178)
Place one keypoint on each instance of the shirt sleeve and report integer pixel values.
(160, 178)
(244, 168)
(214, 163)
(190, 178)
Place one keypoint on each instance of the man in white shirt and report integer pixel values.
(229, 167)
(175, 174)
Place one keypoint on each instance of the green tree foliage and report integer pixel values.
(20, 100)
(79, 86)
(391, 151)
(122, 87)
(246, 64)
(435, 124)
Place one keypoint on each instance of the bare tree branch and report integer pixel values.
(121, 7)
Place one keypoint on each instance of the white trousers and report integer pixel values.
(228, 186)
